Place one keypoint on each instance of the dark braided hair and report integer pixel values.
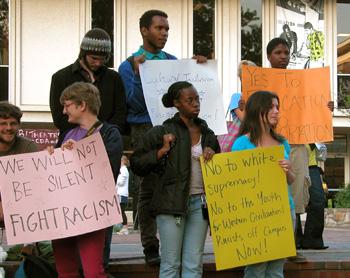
(174, 93)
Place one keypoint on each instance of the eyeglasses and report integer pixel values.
(10, 124)
(66, 105)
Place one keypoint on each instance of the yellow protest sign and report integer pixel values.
(249, 212)
(304, 95)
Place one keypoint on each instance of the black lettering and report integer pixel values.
(52, 180)
(101, 204)
(77, 214)
(13, 222)
(43, 219)
(85, 216)
(21, 190)
(66, 218)
(111, 204)
(39, 163)
(30, 225)
(90, 171)
(214, 169)
(12, 166)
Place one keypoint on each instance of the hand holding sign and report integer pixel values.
(66, 193)
(248, 207)
(304, 99)
(158, 75)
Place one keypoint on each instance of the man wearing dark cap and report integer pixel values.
(95, 50)
(90, 67)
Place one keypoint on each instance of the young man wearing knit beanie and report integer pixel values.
(154, 29)
(95, 50)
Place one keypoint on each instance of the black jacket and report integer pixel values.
(114, 146)
(112, 94)
(171, 184)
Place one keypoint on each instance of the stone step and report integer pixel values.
(136, 268)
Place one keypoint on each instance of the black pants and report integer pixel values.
(298, 232)
(107, 248)
(314, 224)
(123, 207)
(147, 222)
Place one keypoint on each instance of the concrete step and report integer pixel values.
(316, 269)
(136, 268)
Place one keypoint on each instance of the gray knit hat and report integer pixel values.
(96, 41)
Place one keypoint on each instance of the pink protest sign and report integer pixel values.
(68, 193)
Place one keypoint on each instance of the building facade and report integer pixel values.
(38, 37)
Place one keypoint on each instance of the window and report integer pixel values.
(102, 12)
(203, 28)
(334, 166)
(4, 48)
(343, 53)
(251, 31)
(338, 146)
(334, 172)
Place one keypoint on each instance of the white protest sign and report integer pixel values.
(68, 193)
(158, 75)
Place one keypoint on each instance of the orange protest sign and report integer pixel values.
(304, 95)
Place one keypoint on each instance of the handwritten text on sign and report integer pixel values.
(304, 95)
(157, 76)
(60, 195)
(248, 207)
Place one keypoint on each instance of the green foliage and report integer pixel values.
(251, 36)
(102, 13)
(342, 198)
(204, 28)
(344, 91)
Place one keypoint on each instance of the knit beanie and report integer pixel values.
(96, 42)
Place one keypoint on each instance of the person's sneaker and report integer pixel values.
(298, 259)
(123, 231)
(152, 258)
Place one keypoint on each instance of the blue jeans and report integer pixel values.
(182, 244)
(270, 269)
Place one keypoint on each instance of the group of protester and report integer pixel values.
(87, 97)
(305, 194)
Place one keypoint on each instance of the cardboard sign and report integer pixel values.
(158, 75)
(304, 95)
(249, 212)
(41, 137)
(68, 193)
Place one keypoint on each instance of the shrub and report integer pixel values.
(342, 198)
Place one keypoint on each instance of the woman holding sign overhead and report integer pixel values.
(171, 153)
(258, 130)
